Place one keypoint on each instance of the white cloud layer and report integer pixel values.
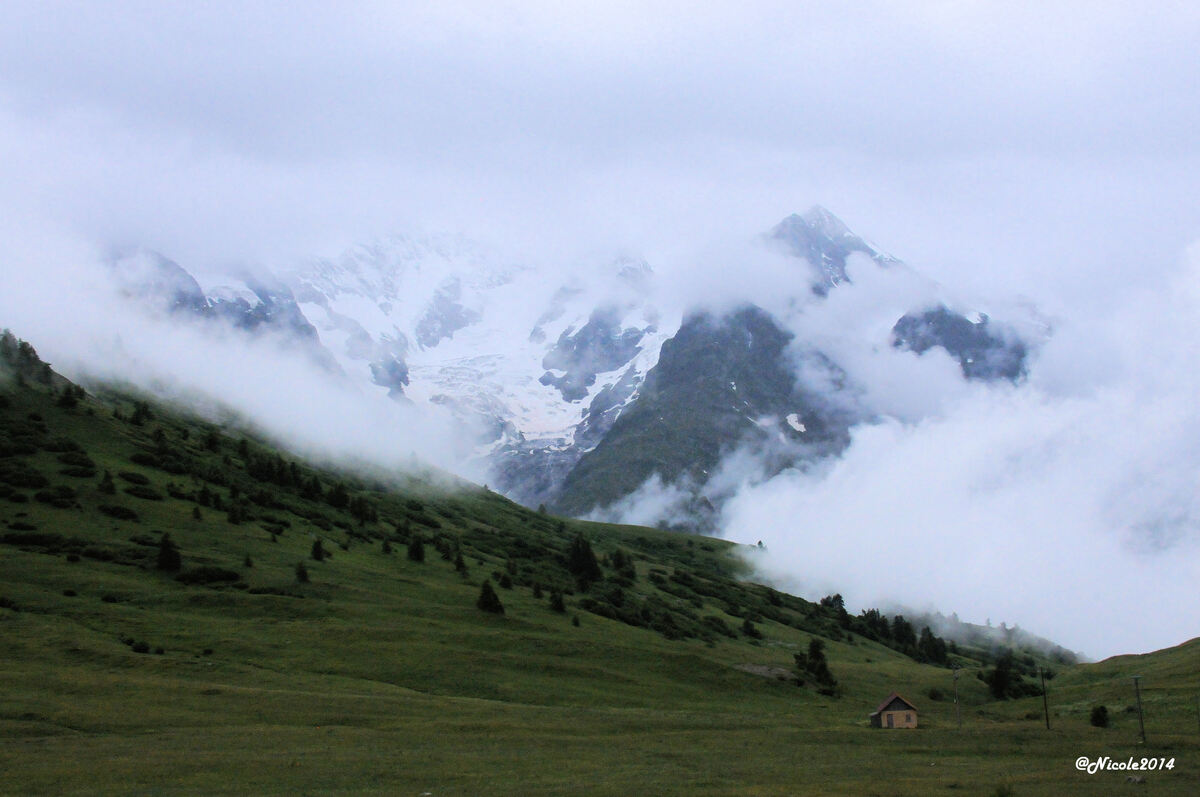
(1069, 505)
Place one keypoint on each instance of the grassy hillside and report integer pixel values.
(667, 675)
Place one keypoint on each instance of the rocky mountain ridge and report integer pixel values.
(580, 389)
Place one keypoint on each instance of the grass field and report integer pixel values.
(380, 675)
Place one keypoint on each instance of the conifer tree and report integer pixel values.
(168, 555)
(581, 562)
(488, 600)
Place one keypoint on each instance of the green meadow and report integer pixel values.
(666, 672)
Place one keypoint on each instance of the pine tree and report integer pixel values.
(301, 573)
(106, 485)
(416, 550)
(338, 497)
(68, 399)
(318, 550)
(1002, 679)
(556, 602)
(818, 667)
(581, 562)
(168, 555)
(488, 600)
(749, 629)
(141, 413)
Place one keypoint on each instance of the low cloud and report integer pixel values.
(1068, 504)
(63, 300)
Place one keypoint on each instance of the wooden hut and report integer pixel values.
(894, 712)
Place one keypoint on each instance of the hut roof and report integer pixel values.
(893, 696)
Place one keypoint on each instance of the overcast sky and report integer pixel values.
(1040, 149)
(1012, 143)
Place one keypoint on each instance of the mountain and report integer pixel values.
(257, 303)
(188, 609)
(719, 382)
(983, 351)
(580, 382)
(824, 242)
(250, 302)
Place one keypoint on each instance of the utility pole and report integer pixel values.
(958, 707)
(1141, 721)
(1045, 701)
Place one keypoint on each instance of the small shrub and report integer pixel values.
(61, 444)
(1100, 716)
(145, 493)
(714, 623)
(21, 475)
(145, 459)
(60, 497)
(141, 647)
(556, 602)
(936, 694)
(207, 574)
(118, 512)
(301, 573)
(70, 593)
(133, 478)
(77, 459)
